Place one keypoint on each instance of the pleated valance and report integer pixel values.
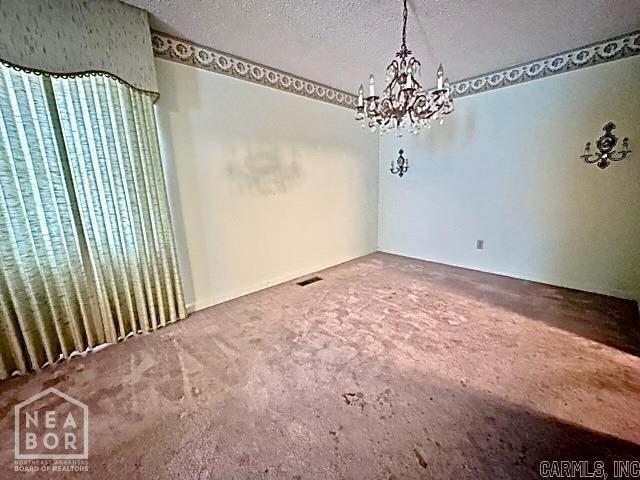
(62, 37)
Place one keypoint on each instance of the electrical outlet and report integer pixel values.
(480, 244)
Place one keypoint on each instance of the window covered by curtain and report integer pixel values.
(86, 245)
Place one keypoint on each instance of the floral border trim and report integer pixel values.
(182, 51)
(601, 52)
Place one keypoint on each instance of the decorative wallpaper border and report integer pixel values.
(182, 51)
(615, 48)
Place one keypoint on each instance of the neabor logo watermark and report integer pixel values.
(51, 426)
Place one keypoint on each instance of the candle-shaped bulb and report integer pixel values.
(587, 148)
(446, 83)
(625, 143)
(371, 86)
(360, 96)
(440, 76)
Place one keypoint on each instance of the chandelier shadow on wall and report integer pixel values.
(404, 104)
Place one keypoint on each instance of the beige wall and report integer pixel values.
(505, 168)
(265, 186)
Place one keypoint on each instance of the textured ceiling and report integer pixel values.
(339, 42)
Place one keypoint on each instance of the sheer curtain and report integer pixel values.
(87, 254)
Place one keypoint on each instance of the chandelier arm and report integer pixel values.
(421, 98)
(389, 88)
(430, 114)
(411, 116)
(588, 158)
(393, 68)
(386, 106)
(622, 156)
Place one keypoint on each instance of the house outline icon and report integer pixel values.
(52, 456)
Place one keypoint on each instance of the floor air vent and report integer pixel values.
(309, 281)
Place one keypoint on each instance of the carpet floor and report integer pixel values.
(388, 368)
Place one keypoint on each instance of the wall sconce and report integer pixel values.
(605, 144)
(402, 165)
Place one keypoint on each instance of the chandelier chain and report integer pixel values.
(404, 26)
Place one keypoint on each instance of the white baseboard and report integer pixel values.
(202, 303)
(610, 292)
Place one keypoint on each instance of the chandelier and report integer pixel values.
(404, 103)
